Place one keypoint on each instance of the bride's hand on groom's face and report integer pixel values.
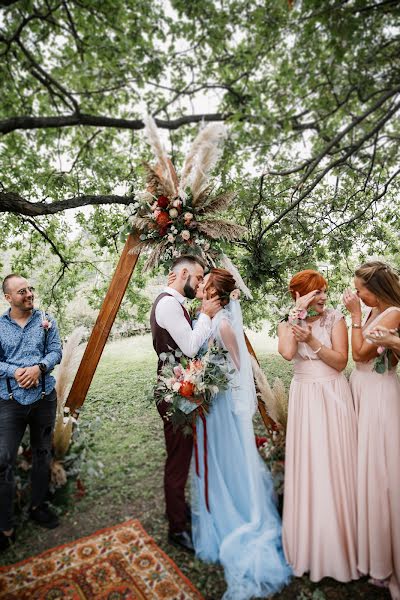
(171, 278)
(211, 306)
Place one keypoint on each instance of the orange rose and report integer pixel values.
(162, 219)
(186, 389)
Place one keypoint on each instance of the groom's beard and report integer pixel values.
(189, 292)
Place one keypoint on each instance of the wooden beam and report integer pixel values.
(104, 322)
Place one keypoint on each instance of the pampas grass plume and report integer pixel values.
(68, 366)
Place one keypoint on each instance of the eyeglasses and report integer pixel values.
(26, 290)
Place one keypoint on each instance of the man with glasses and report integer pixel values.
(30, 347)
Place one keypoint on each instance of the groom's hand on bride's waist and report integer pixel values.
(211, 306)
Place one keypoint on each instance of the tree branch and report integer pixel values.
(56, 251)
(5, 3)
(16, 204)
(16, 123)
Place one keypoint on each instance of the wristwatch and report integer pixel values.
(42, 367)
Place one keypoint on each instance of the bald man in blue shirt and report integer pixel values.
(30, 347)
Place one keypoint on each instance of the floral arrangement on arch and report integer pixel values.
(178, 216)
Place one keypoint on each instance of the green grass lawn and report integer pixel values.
(130, 444)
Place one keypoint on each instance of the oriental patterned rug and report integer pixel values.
(116, 563)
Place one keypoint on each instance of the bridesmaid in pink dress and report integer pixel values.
(377, 401)
(319, 513)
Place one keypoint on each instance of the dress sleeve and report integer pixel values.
(337, 316)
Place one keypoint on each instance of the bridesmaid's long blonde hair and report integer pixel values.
(380, 279)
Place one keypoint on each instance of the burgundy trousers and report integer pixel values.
(179, 454)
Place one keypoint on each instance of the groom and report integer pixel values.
(171, 328)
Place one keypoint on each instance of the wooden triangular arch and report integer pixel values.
(103, 325)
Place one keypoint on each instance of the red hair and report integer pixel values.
(305, 282)
(223, 282)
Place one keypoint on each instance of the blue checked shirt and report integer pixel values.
(24, 347)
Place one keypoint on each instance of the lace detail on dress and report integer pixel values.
(329, 319)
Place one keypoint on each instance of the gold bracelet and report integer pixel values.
(356, 326)
(318, 349)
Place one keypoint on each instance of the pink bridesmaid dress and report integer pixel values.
(319, 513)
(377, 401)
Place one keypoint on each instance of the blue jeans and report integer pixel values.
(14, 418)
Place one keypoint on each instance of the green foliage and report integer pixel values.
(310, 93)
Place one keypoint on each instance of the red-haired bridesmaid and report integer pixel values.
(319, 513)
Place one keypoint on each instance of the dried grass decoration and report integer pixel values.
(275, 400)
(64, 425)
(179, 216)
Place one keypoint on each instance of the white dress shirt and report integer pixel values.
(169, 315)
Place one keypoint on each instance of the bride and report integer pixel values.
(242, 528)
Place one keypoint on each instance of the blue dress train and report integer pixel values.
(242, 531)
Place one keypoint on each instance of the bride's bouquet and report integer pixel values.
(190, 385)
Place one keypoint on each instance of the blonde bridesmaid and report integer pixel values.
(377, 401)
(319, 514)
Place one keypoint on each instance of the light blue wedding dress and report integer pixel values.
(242, 531)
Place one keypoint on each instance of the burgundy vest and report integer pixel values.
(162, 341)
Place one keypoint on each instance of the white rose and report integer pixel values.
(176, 387)
(177, 204)
(170, 238)
(188, 216)
(173, 213)
(168, 398)
(185, 234)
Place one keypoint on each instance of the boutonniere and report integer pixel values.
(46, 323)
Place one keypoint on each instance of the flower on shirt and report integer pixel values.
(46, 323)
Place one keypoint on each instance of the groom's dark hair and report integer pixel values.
(187, 258)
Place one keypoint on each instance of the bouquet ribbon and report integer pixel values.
(196, 455)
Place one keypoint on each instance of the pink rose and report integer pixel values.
(185, 235)
(178, 371)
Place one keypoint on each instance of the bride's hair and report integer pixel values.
(305, 282)
(380, 279)
(223, 282)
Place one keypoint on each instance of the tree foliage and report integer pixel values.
(309, 90)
